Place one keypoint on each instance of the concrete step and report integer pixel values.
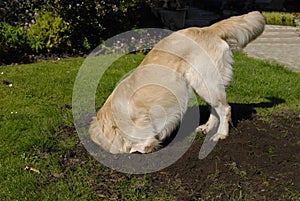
(285, 54)
(278, 43)
(279, 35)
(278, 27)
(293, 40)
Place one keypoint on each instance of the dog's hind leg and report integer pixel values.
(224, 114)
(210, 124)
(220, 117)
(209, 78)
(220, 110)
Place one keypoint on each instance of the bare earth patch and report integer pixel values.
(260, 160)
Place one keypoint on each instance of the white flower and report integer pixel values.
(2, 73)
(10, 85)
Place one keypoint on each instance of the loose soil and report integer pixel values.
(260, 160)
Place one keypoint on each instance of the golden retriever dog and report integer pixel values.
(149, 104)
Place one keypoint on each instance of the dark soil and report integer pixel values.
(260, 160)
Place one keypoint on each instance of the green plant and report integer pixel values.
(13, 43)
(279, 18)
(11, 36)
(47, 32)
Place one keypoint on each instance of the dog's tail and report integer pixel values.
(240, 29)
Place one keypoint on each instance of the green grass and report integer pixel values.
(35, 108)
(260, 82)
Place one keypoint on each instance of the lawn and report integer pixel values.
(40, 154)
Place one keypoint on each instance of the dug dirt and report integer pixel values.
(260, 160)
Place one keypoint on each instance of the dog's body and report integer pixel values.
(148, 105)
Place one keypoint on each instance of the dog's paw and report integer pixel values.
(202, 129)
(218, 136)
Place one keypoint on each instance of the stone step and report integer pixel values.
(278, 43)
(275, 44)
(295, 35)
(280, 30)
(279, 34)
(274, 34)
(282, 53)
(293, 40)
(278, 27)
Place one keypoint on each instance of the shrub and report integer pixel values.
(47, 33)
(63, 26)
(13, 43)
(15, 11)
(92, 21)
(279, 18)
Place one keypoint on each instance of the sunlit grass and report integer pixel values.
(258, 81)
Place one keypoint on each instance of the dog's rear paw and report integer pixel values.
(202, 129)
(218, 136)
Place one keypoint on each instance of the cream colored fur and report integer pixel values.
(149, 104)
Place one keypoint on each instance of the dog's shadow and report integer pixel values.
(241, 111)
